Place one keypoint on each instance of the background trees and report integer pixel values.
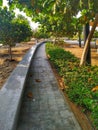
(6, 28)
(57, 17)
(22, 30)
(13, 30)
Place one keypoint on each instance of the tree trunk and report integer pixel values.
(79, 39)
(88, 58)
(87, 44)
(10, 52)
(86, 32)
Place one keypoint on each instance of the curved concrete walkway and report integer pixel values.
(43, 106)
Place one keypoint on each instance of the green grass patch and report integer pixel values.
(80, 80)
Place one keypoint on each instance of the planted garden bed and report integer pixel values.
(81, 82)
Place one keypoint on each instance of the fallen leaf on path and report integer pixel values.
(37, 80)
(30, 95)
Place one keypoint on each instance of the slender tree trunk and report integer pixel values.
(86, 48)
(86, 32)
(88, 58)
(10, 52)
(79, 39)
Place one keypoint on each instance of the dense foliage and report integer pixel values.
(81, 81)
(58, 16)
(22, 29)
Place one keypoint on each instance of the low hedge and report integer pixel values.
(82, 81)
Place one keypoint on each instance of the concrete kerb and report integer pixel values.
(12, 92)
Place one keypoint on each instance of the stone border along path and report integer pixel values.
(43, 106)
(12, 92)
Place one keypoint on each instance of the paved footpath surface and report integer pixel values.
(46, 109)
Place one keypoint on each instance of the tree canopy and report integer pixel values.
(59, 18)
(58, 14)
(54, 15)
(12, 29)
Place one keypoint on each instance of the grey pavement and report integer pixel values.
(92, 43)
(43, 106)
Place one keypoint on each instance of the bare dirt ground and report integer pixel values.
(6, 66)
(77, 51)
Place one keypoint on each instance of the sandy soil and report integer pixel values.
(6, 66)
(77, 51)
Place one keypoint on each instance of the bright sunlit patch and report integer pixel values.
(5, 3)
(33, 25)
(1, 61)
(79, 14)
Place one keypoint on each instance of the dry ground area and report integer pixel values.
(6, 66)
(77, 51)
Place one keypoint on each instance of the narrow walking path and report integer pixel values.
(43, 106)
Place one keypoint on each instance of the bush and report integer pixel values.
(80, 80)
